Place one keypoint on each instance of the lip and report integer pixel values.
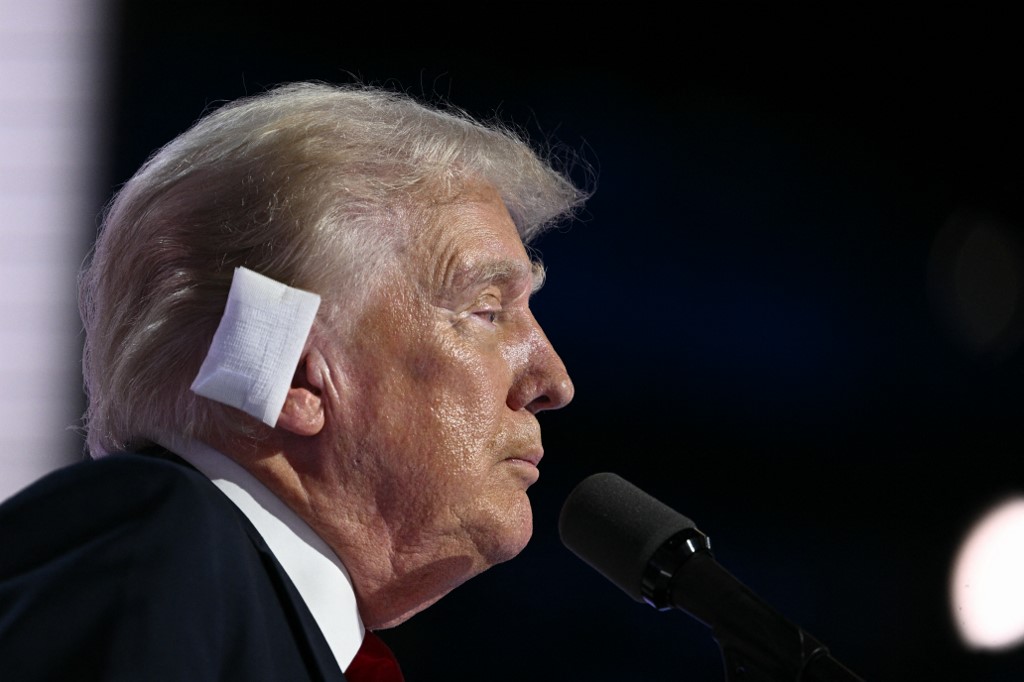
(532, 458)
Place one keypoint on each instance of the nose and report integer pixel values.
(557, 396)
(543, 382)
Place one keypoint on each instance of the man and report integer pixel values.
(313, 380)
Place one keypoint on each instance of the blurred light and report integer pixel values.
(52, 94)
(987, 587)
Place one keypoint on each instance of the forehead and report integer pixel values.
(470, 238)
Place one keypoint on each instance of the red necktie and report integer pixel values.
(374, 662)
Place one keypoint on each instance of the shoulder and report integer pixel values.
(130, 554)
(125, 495)
(133, 476)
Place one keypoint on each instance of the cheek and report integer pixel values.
(443, 403)
(466, 410)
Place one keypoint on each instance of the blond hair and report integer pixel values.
(306, 183)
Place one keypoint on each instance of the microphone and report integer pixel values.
(658, 556)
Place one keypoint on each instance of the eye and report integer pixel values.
(488, 309)
(490, 316)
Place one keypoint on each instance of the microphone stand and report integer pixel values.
(757, 643)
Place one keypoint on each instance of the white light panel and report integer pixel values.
(53, 86)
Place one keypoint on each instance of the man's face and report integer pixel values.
(445, 373)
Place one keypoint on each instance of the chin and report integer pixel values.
(508, 537)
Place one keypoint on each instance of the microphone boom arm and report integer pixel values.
(761, 645)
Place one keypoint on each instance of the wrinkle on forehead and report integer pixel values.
(474, 243)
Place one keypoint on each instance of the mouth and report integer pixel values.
(531, 458)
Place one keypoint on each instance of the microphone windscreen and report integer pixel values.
(616, 528)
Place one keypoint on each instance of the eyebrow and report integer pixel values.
(500, 272)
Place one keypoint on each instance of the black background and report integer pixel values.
(745, 305)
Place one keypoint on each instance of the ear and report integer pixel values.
(303, 411)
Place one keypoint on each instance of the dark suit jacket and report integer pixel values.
(138, 568)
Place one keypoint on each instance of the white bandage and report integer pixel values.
(257, 346)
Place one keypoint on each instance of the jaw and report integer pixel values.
(399, 598)
(413, 576)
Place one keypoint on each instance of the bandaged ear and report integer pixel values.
(257, 346)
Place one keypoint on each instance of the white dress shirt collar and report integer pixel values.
(313, 567)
